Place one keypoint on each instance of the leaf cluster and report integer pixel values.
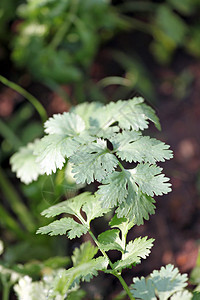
(167, 283)
(99, 141)
(85, 266)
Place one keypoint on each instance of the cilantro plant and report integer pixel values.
(104, 144)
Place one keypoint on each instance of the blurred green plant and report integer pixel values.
(58, 41)
(172, 24)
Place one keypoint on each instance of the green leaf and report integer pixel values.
(185, 7)
(150, 180)
(52, 151)
(122, 223)
(80, 294)
(130, 114)
(71, 206)
(87, 270)
(107, 133)
(87, 111)
(89, 203)
(67, 124)
(66, 134)
(83, 272)
(196, 295)
(113, 190)
(110, 240)
(131, 146)
(167, 281)
(120, 189)
(24, 163)
(137, 206)
(171, 24)
(143, 289)
(57, 262)
(84, 254)
(93, 208)
(183, 295)
(163, 284)
(63, 226)
(93, 162)
(135, 250)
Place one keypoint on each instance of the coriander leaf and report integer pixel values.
(66, 134)
(143, 289)
(84, 254)
(24, 163)
(150, 180)
(67, 124)
(107, 133)
(120, 140)
(93, 209)
(87, 270)
(122, 223)
(63, 226)
(138, 206)
(70, 206)
(52, 151)
(131, 146)
(164, 283)
(135, 250)
(87, 111)
(183, 295)
(110, 240)
(86, 201)
(83, 272)
(130, 114)
(167, 281)
(120, 189)
(113, 190)
(93, 162)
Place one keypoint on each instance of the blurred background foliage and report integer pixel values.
(77, 50)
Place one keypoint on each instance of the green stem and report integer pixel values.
(114, 80)
(6, 288)
(9, 222)
(15, 202)
(121, 166)
(6, 292)
(114, 272)
(38, 106)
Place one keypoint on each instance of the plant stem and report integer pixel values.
(15, 202)
(9, 222)
(38, 106)
(6, 288)
(6, 291)
(115, 273)
(125, 286)
(114, 80)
